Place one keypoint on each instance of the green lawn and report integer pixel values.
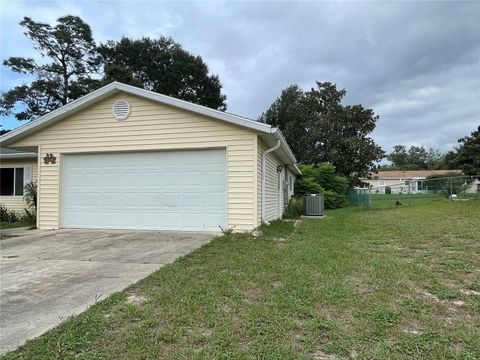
(7, 225)
(397, 283)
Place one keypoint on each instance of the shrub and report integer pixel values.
(388, 190)
(334, 200)
(30, 218)
(3, 213)
(440, 183)
(318, 177)
(30, 195)
(294, 208)
(322, 179)
(7, 215)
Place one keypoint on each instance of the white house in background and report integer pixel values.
(127, 158)
(474, 188)
(401, 181)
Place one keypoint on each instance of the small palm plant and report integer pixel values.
(30, 195)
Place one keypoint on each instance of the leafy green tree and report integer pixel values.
(319, 128)
(435, 159)
(323, 179)
(70, 50)
(467, 155)
(399, 156)
(163, 66)
(416, 157)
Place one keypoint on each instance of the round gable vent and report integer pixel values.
(121, 109)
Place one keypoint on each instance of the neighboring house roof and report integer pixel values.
(116, 87)
(6, 153)
(407, 174)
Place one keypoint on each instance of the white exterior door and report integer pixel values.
(169, 190)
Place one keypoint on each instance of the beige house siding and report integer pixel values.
(272, 192)
(151, 126)
(16, 202)
(472, 189)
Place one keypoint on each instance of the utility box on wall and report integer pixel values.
(313, 205)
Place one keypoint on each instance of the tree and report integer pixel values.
(163, 66)
(435, 159)
(416, 157)
(70, 49)
(319, 128)
(289, 113)
(398, 156)
(467, 155)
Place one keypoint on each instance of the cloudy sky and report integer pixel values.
(417, 64)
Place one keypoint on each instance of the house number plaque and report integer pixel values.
(49, 159)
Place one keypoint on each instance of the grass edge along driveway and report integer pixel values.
(396, 283)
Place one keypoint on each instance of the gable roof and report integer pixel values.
(115, 87)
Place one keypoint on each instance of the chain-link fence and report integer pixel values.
(415, 191)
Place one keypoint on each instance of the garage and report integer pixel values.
(123, 157)
(167, 190)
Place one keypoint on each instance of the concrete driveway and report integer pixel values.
(47, 276)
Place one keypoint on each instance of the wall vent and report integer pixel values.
(121, 109)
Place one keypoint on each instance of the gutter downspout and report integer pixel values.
(264, 221)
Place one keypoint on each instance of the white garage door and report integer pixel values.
(175, 190)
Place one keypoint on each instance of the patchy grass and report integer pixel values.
(396, 283)
(7, 225)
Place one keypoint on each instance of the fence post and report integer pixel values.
(451, 189)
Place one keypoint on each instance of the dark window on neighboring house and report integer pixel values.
(11, 181)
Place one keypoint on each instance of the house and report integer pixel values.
(127, 158)
(402, 181)
(474, 187)
(16, 169)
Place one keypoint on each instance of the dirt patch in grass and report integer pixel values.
(135, 298)
(470, 292)
(360, 284)
(253, 294)
(320, 355)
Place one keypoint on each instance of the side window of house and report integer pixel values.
(11, 181)
(381, 182)
(290, 183)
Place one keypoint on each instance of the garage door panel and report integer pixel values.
(172, 178)
(112, 200)
(178, 190)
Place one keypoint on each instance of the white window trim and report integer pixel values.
(15, 179)
(381, 182)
